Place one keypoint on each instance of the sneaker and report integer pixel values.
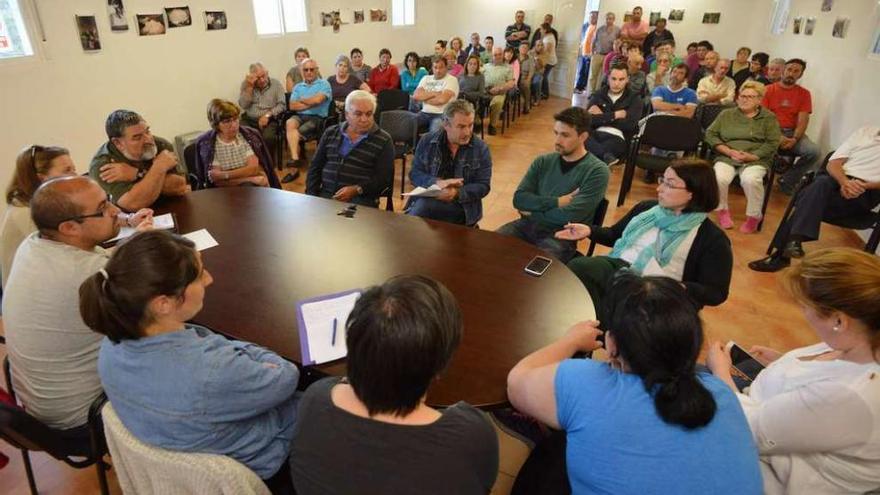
(793, 249)
(770, 264)
(724, 219)
(610, 159)
(751, 225)
(291, 176)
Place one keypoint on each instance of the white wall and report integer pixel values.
(63, 97)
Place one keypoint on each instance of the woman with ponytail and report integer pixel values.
(815, 411)
(177, 385)
(646, 421)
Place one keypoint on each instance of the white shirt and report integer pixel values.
(675, 268)
(448, 83)
(54, 355)
(862, 151)
(816, 424)
(549, 49)
(708, 87)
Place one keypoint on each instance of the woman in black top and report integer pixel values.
(372, 432)
(671, 237)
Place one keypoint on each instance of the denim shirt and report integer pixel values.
(196, 391)
(472, 163)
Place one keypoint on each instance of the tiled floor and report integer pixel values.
(755, 313)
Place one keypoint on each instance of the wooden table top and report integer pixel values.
(279, 247)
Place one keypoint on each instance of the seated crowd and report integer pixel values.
(81, 320)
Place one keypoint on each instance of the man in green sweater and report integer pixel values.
(559, 188)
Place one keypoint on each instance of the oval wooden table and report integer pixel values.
(278, 247)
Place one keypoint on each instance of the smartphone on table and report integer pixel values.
(538, 266)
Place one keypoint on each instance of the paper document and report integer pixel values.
(161, 222)
(421, 192)
(203, 239)
(316, 317)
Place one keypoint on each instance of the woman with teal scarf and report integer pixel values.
(670, 237)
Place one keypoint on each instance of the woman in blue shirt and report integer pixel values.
(646, 421)
(180, 386)
(410, 77)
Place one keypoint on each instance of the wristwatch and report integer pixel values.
(359, 189)
(140, 174)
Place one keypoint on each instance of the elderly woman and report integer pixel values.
(454, 68)
(344, 82)
(815, 411)
(745, 139)
(180, 386)
(375, 422)
(672, 237)
(645, 421)
(33, 166)
(231, 154)
(358, 67)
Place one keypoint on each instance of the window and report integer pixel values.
(403, 12)
(14, 39)
(275, 17)
(779, 20)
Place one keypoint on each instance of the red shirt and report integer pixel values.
(786, 103)
(384, 79)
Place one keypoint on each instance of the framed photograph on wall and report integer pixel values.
(88, 33)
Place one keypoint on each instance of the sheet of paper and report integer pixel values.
(161, 222)
(421, 192)
(317, 318)
(202, 238)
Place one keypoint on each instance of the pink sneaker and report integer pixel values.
(751, 225)
(724, 219)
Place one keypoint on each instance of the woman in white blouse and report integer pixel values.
(815, 411)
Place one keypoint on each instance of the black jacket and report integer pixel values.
(629, 101)
(709, 264)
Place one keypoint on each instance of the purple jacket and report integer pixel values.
(205, 155)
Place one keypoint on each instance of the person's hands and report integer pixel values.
(787, 143)
(166, 160)
(852, 188)
(718, 360)
(566, 199)
(144, 214)
(445, 183)
(749, 157)
(594, 110)
(620, 114)
(118, 172)
(764, 355)
(263, 121)
(573, 232)
(736, 155)
(662, 69)
(346, 193)
(448, 194)
(584, 335)
(216, 174)
(250, 79)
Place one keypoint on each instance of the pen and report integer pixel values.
(333, 338)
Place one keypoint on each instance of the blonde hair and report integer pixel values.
(754, 86)
(460, 43)
(839, 279)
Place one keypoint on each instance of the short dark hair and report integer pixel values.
(746, 49)
(618, 66)
(798, 61)
(120, 120)
(762, 58)
(385, 51)
(149, 264)
(408, 56)
(442, 43)
(220, 110)
(400, 336)
(658, 333)
(576, 117)
(659, 20)
(692, 44)
(664, 42)
(705, 44)
(439, 58)
(355, 50)
(683, 66)
(302, 49)
(489, 38)
(513, 51)
(699, 179)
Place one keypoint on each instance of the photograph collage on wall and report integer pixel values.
(88, 33)
(653, 19)
(215, 20)
(378, 15)
(178, 16)
(676, 15)
(810, 26)
(841, 26)
(711, 17)
(358, 16)
(150, 24)
(116, 12)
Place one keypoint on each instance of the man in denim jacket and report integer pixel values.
(456, 161)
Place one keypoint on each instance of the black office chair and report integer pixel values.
(665, 132)
(706, 114)
(403, 126)
(281, 131)
(870, 220)
(391, 99)
(481, 107)
(26, 433)
(598, 219)
(189, 158)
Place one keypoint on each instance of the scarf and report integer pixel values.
(673, 230)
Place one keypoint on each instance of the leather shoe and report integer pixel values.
(290, 177)
(793, 249)
(770, 264)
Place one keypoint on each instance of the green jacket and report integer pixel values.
(109, 153)
(759, 135)
(539, 191)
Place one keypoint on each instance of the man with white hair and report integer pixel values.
(355, 160)
(261, 99)
(717, 88)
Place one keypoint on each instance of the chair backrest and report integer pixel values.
(672, 133)
(707, 114)
(142, 468)
(391, 99)
(189, 158)
(402, 125)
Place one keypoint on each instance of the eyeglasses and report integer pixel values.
(663, 181)
(229, 120)
(102, 212)
(309, 69)
(749, 97)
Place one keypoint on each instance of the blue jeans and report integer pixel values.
(436, 210)
(545, 83)
(808, 152)
(429, 122)
(542, 237)
(583, 73)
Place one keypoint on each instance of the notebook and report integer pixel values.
(315, 318)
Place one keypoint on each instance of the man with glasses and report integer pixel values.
(354, 162)
(53, 353)
(261, 99)
(311, 101)
(134, 166)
